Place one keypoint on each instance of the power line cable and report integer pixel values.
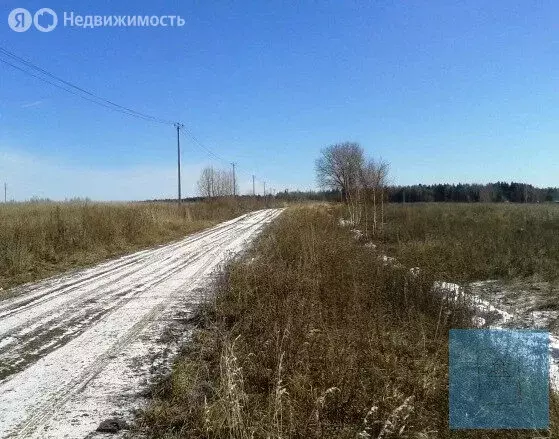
(185, 131)
(96, 98)
(216, 156)
(63, 88)
(188, 135)
(44, 75)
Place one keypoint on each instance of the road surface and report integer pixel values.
(80, 348)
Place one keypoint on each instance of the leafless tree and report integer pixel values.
(374, 178)
(383, 169)
(368, 180)
(215, 183)
(206, 183)
(343, 167)
(340, 168)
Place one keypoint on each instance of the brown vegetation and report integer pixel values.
(466, 242)
(312, 336)
(40, 239)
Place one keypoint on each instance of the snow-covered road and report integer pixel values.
(79, 348)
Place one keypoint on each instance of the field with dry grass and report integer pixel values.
(312, 334)
(41, 239)
(467, 242)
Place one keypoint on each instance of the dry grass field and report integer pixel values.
(311, 335)
(465, 242)
(40, 239)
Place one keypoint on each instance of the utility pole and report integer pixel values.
(253, 188)
(5, 192)
(234, 182)
(179, 126)
(264, 188)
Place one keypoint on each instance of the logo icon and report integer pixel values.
(20, 20)
(45, 20)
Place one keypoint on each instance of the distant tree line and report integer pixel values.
(463, 193)
(347, 175)
(466, 193)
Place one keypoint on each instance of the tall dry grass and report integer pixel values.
(465, 242)
(312, 336)
(39, 239)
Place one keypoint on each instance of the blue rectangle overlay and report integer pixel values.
(498, 379)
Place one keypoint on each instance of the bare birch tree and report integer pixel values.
(206, 183)
(339, 167)
(215, 183)
(374, 178)
(382, 169)
(343, 167)
(368, 180)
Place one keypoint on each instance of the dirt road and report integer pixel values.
(81, 348)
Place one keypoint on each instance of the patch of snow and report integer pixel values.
(448, 287)
(358, 234)
(387, 259)
(542, 319)
(7, 341)
(414, 271)
(458, 293)
(478, 322)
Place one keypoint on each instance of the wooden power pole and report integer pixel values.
(179, 126)
(234, 181)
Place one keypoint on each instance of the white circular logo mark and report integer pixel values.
(20, 20)
(45, 19)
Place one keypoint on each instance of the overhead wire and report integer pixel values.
(29, 68)
(72, 88)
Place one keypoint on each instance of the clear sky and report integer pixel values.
(446, 91)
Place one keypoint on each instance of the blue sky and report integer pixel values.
(445, 91)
